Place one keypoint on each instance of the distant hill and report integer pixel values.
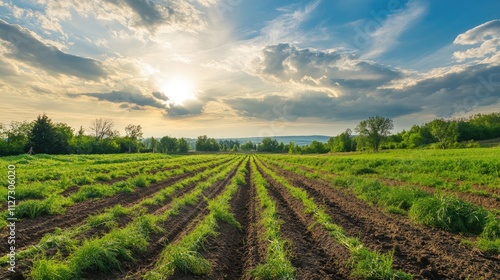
(299, 140)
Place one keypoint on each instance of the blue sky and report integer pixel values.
(231, 68)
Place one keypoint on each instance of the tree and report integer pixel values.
(446, 132)
(203, 143)
(248, 146)
(42, 136)
(102, 128)
(343, 142)
(168, 145)
(133, 135)
(182, 146)
(375, 130)
(14, 139)
(63, 137)
(268, 145)
(133, 132)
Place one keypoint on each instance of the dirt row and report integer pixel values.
(30, 231)
(425, 252)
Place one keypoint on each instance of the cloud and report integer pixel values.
(328, 69)
(23, 46)
(486, 36)
(127, 99)
(188, 108)
(479, 33)
(318, 105)
(386, 36)
(176, 14)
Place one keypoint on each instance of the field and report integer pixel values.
(423, 214)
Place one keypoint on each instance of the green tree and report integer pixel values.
(343, 142)
(183, 146)
(375, 130)
(42, 138)
(168, 145)
(268, 145)
(446, 132)
(248, 146)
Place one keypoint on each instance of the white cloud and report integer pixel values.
(386, 36)
(480, 33)
(486, 38)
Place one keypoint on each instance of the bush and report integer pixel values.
(449, 213)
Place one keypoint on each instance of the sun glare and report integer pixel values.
(178, 89)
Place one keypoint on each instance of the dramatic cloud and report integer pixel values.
(487, 38)
(176, 14)
(25, 47)
(127, 99)
(328, 69)
(318, 105)
(479, 33)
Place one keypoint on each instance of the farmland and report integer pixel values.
(420, 214)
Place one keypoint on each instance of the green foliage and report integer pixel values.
(375, 130)
(140, 181)
(491, 230)
(35, 208)
(363, 171)
(371, 265)
(449, 213)
(44, 269)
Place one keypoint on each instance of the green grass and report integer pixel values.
(449, 213)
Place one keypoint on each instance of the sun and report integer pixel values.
(178, 89)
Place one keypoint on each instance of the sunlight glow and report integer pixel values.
(178, 89)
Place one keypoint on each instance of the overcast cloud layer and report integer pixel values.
(242, 66)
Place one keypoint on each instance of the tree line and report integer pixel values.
(43, 136)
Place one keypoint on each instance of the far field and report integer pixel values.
(421, 214)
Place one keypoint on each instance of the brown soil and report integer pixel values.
(425, 252)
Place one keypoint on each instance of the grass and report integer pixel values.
(278, 264)
(449, 213)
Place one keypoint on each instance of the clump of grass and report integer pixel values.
(35, 208)
(449, 213)
(491, 230)
(401, 198)
(83, 180)
(44, 269)
(139, 181)
(91, 191)
(108, 218)
(363, 171)
(103, 177)
(372, 265)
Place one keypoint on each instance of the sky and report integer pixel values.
(239, 68)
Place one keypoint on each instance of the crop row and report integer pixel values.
(435, 210)
(366, 263)
(56, 203)
(65, 239)
(106, 253)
